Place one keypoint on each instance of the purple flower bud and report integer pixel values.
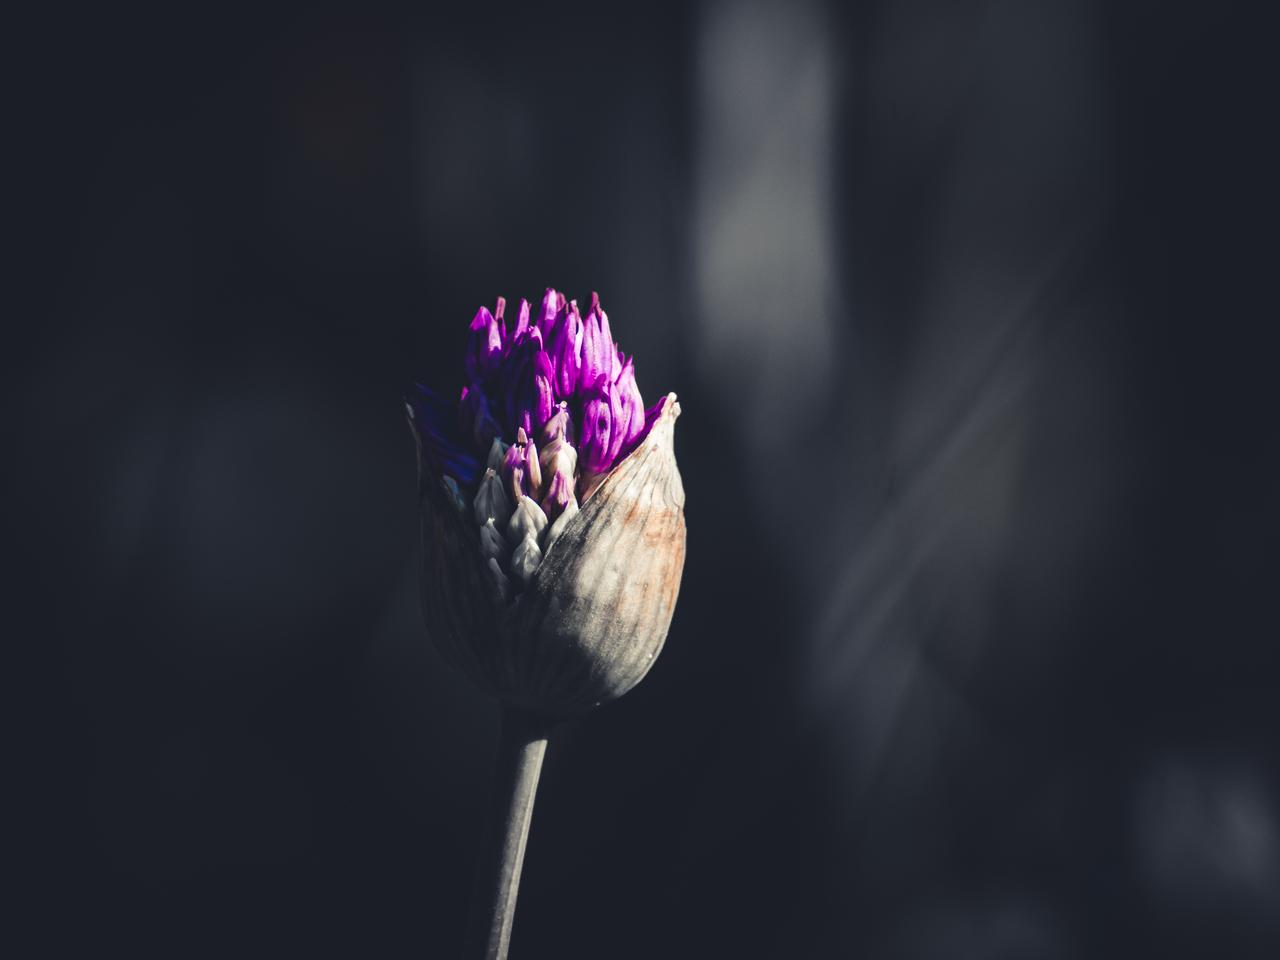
(569, 511)
(484, 344)
(630, 421)
(559, 462)
(552, 313)
(598, 354)
(618, 412)
(544, 399)
(559, 494)
(515, 481)
(522, 322)
(558, 426)
(518, 377)
(565, 351)
(532, 468)
(558, 456)
(597, 432)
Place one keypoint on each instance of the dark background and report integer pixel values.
(975, 654)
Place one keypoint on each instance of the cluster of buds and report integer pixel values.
(525, 500)
(549, 444)
(554, 404)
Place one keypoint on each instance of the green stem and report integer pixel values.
(520, 753)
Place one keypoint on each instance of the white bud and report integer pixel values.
(497, 453)
(527, 520)
(491, 542)
(558, 457)
(500, 580)
(491, 500)
(526, 558)
(553, 532)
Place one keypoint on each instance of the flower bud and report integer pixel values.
(492, 501)
(559, 494)
(484, 345)
(544, 404)
(566, 352)
(556, 589)
(522, 322)
(598, 354)
(527, 520)
(630, 417)
(497, 454)
(597, 432)
(532, 468)
(567, 512)
(514, 478)
(526, 558)
(491, 543)
(558, 457)
(552, 314)
(558, 427)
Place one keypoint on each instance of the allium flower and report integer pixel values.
(552, 510)
(553, 543)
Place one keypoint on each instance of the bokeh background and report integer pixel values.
(975, 655)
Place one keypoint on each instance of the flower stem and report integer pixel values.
(520, 753)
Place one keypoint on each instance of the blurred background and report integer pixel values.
(975, 655)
